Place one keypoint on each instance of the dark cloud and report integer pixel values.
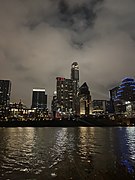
(77, 18)
(40, 39)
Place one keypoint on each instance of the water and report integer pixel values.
(67, 153)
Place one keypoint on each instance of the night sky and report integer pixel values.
(39, 40)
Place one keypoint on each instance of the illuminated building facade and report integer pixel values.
(5, 91)
(85, 99)
(126, 90)
(64, 94)
(123, 98)
(75, 79)
(39, 99)
(99, 106)
(67, 92)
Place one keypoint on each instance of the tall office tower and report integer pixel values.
(75, 78)
(39, 99)
(64, 94)
(60, 93)
(85, 99)
(5, 90)
(69, 95)
(113, 94)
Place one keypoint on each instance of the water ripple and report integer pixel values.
(71, 153)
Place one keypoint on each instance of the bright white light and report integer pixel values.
(55, 93)
(127, 102)
(39, 90)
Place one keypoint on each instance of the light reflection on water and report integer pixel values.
(65, 153)
(131, 142)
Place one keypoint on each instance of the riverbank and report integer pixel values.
(62, 123)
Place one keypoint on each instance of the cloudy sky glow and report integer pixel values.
(39, 39)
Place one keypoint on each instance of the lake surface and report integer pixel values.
(67, 153)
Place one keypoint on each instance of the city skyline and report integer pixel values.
(40, 40)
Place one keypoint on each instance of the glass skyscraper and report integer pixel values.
(5, 91)
(75, 79)
(85, 99)
(123, 96)
(39, 99)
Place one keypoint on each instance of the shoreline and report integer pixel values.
(63, 123)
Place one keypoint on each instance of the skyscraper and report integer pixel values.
(39, 99)
(126, 90)
(85, 99)
(123, 96)
(75, 79)
(113, 94)
(54, 104)
(75, 76)
(64, 94)
(67, 91)
(5, 90)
